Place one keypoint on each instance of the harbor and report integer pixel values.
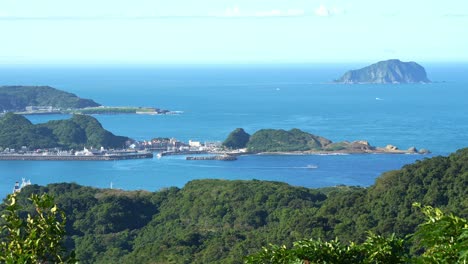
(85, 155)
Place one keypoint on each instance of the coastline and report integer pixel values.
(140, 155)
(337, 153)
(292, 153)
(112, 110)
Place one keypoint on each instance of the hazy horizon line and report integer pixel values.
(226, 63)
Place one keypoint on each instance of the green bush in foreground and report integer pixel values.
(36, 239)
(442, 239)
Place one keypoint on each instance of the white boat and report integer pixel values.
(18, 187)
(25, 183)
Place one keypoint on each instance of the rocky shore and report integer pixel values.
(345, 148)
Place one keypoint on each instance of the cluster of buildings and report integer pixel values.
(59, 152)
(41, 109)
(174, 145)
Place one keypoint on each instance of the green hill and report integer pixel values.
(298, 141)
(77, 132)
(16, 98)
(272, 140)
(219, 221)
(237, 139)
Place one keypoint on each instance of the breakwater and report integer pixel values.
(171, 153)
(219, 157)
(147, 155)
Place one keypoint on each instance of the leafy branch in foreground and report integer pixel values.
(376, 249)
(442, 239)
(36, 239)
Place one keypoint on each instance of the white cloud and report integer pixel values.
(456, 15)
(232, 12)
(229, 12)
(269, 13)
(324, 11)
(295, 12)
(235, 12)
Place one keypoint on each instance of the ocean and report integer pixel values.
(215, 99)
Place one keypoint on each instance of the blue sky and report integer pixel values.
(232, 31)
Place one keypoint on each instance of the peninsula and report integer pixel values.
(33, 100)
(386, 72)
(61, 140)
(295, 141)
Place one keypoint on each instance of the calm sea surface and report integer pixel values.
(217, 99)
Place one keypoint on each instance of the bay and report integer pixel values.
(217, 99)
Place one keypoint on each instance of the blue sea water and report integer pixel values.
(217, 99)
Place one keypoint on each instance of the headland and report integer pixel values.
(46, 100)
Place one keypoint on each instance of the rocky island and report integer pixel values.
(386, 72)
(295, 141)
(29, 100)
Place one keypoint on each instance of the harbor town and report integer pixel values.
(134, 150)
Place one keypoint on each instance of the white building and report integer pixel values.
(194, 144)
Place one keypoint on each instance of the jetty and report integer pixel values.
(218, 157)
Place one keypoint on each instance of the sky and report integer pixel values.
(232, 31)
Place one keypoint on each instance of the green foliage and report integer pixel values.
(376, 249)
(237, 139)
(271, 140)
(219, 221)
(79, 131)
(16, 98)
(38, 239)
(17, 131)
(443, 238)
(439, 182)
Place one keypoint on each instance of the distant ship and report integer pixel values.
(310, 166)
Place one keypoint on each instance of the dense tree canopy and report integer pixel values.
(79, 131)
(237, 139)
(219, 221)
(272, 140)
(16, 98)
(442, 239)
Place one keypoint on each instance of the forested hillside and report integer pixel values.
(16, 98)
(74, 133)
(274, 140)
(219, 221)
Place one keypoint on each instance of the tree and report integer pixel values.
(36, 239)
